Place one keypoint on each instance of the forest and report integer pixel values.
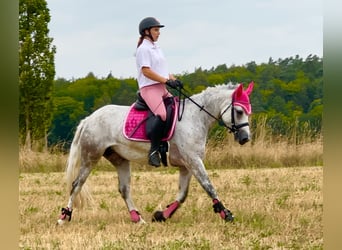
(288, 95)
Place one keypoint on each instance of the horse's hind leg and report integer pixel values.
(124, 175)
(184, 180)
(78, 184)
(75, 190)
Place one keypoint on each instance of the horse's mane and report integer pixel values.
(223, 86)
(213, 90)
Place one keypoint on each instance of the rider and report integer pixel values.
(152, 76)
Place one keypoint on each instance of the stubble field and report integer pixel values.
(275, 208)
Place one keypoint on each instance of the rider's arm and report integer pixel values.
(153, 75)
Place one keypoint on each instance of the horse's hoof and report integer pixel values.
(158, 217)
(136, 217)
(229, 217)
(141, 221)
(66, 215)
(60, 222)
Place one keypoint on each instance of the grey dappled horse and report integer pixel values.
(100, 134)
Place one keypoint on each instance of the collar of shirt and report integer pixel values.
(149, 43)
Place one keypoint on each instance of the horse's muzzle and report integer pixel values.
(241, 136)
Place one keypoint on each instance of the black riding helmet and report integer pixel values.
(148, 23)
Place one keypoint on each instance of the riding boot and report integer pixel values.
(155, 134)
(163, 149)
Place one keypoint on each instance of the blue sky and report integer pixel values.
(101, 36)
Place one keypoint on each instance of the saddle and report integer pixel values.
(136, 126)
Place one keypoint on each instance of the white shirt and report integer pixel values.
(150, 55)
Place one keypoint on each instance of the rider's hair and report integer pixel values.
(141, 39)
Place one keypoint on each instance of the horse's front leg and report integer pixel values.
(183, 187)
(198, 170)
(124, 175)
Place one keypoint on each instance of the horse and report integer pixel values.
(100, 135)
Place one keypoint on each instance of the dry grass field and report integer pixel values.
(275, 208)
(273, 185)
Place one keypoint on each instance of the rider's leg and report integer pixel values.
(153, 96)
(155, 135)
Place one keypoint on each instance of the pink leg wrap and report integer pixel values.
(66, 212)
(167, 213)
(135, 216)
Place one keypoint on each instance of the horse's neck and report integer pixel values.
(212, 101)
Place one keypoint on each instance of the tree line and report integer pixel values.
(287, 91)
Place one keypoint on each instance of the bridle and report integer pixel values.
(233, 129)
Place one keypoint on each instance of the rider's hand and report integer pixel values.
(174, 83)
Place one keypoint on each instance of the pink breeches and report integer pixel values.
(153, 96)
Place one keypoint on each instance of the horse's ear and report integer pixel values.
(250, 88)
(238, 91)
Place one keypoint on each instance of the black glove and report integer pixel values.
(174, 83)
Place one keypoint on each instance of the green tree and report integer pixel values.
(68, 112)
(287, 95)
(36, 72)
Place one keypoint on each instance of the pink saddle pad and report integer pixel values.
(135, 124)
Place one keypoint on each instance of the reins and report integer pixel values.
(233, 129)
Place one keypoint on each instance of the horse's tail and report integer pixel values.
(73, 168)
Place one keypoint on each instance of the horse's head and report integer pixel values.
(240, 110)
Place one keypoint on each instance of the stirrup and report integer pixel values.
(154, 159)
